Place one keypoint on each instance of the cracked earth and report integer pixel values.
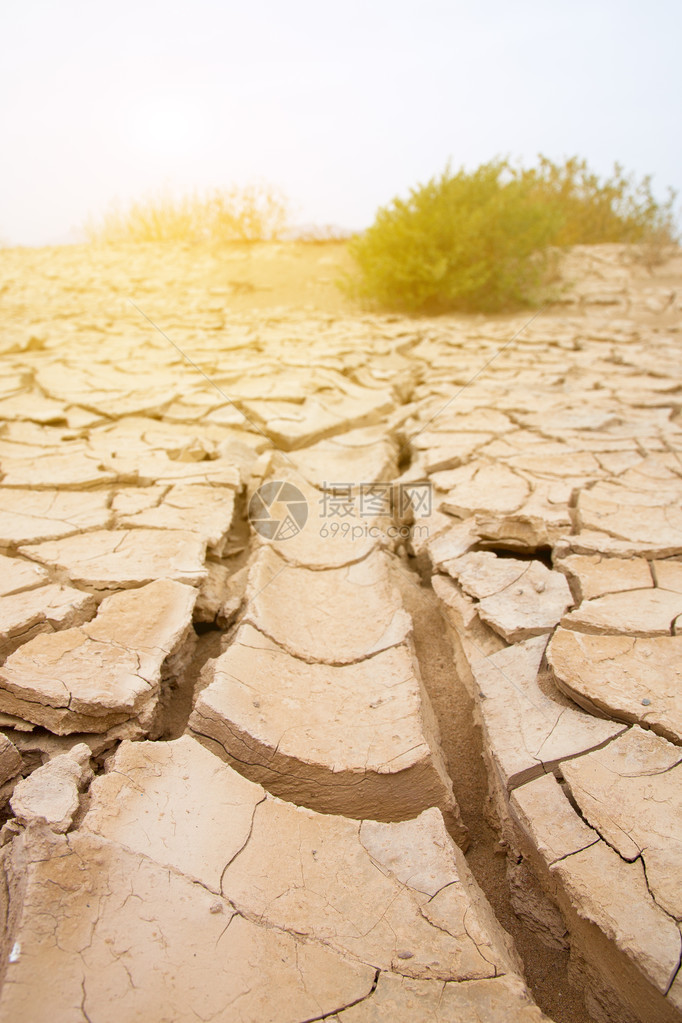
(417, 758)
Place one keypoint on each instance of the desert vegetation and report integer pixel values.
(252, 213)
(474, 241)
(484, 240)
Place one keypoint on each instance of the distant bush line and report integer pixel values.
(254, 213)
(483, 240)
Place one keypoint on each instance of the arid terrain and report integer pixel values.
(340, 652)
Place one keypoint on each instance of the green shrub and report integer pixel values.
(250, 214)
(591, 211)
(481, 240)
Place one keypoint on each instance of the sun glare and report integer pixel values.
(166, 128)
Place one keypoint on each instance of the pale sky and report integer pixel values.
(343, 105)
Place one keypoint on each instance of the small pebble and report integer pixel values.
(405, 955)
(646, 702)
(216, 907)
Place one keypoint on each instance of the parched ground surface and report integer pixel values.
(340, 654)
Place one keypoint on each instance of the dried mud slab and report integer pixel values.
(32, 516)
(161, 904)
(592, 575)
(358, 739)
(633, 679)
(518, 599)
(17, 575)
(625, 950)
(357, 456)
(11, 765)
(629, 946)
(526, 731)
(398, 897)
(150, 941)
(589, 541)
(649, 612)
(64, 471)
(98, 675)
(542, 809)
(45, 609)
(295, 425)
(481, 487)
(439, 450)
(595, 880)
(51, 794)
(155, 467)
(542, 521)
(336, 616)
(176, 803)
(631, 793)
(204, 510)
(644, 517)
(668, 575)
(502, 1000)
(112, 560)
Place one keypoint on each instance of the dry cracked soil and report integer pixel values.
(340, 653)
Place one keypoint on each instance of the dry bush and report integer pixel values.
(253, 213)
